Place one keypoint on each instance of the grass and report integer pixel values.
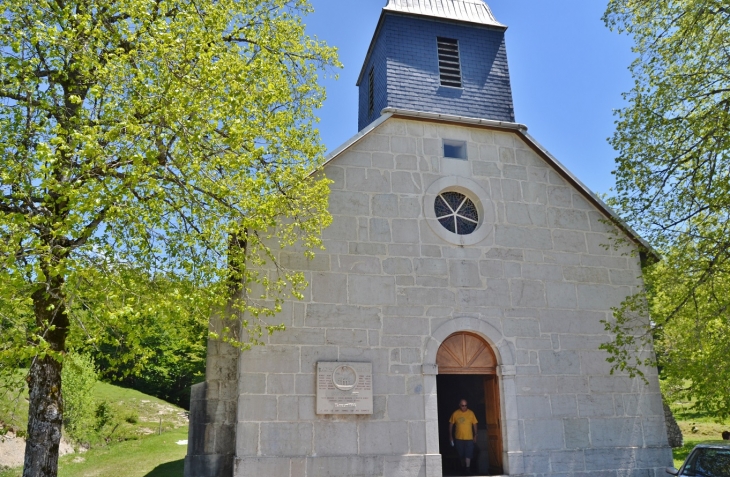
(152, 456)
(130, 445)
(138, 414)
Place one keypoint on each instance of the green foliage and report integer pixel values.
(156, 154)
(693, 349)
(139, 137)
(13, 401)
(673, 187)
(160, 350)
(79, 378)
(103, 414)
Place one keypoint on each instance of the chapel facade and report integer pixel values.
(463, 262)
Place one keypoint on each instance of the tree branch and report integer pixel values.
(89, 229)
(22, 99)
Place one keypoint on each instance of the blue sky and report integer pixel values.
(568, 72)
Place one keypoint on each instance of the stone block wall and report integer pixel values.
(213, 412)
(388, 290)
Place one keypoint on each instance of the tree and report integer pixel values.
(673, 186)
(155, 138)
(161, 349)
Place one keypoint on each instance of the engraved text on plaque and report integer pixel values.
(344, 388)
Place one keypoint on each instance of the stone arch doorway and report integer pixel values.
(467, 368)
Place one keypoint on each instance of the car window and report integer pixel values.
(708, 463)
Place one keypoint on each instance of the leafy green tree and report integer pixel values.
(694, 350)
(673, 186)
(172, 138)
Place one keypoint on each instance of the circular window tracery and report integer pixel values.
(456, 212)
(479, 209)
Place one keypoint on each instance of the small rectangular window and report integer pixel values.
(371, 91)
(454, 149)
(449, 63)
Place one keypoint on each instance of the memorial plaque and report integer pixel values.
(344, 388)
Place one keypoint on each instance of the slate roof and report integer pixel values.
(473, 11)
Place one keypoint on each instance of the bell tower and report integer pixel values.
(437, 56)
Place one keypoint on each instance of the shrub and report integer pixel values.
(78, 379)
(104, 415)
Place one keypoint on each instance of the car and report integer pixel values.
(705, 460)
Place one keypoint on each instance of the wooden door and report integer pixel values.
(494, 428)
(467, 353)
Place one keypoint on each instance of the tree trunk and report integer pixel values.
(45, 408)
(45, 412)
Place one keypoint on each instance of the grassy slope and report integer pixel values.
(139, 417)
(152, 456)
(150, 413)
(138, 413)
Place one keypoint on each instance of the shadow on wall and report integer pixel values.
(168, 469)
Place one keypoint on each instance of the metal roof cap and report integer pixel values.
(473, 11)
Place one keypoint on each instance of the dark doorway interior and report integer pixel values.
(452, 388)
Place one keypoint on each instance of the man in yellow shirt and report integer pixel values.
(466, 432)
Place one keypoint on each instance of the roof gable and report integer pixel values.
(521, 131)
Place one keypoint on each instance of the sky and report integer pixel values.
(567, 70)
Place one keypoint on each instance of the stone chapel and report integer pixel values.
(463, 261)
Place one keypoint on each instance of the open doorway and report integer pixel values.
(467, 370)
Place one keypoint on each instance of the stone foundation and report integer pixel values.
(674, 433)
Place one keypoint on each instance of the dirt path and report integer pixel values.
(12, 450)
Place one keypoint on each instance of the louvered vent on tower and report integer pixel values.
(449, 65)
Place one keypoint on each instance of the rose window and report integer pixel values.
(456, 212)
